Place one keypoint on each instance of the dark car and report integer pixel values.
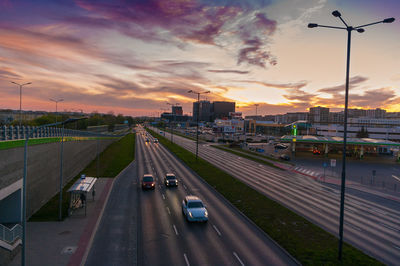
(281, 146)
(285, 157)
(147, 140)
(148, 182)
(170, 180)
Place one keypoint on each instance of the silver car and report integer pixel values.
(194, 210)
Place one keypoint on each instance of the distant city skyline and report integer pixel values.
(133, 57)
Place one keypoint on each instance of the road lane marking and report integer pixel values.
(259, 165)
(184, 186)
(237, 257)
(389, 227)
(216, 229)
(395, 177)
(186, 259)
(176, 231)
(163, 196)
(169, 212)
(396, 247)
(378, 211)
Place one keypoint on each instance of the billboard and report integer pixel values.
(229, 129)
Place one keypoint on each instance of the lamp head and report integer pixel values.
(360, 30)
(312, 25)
(190, 91)
(336, 13)
(388, 20)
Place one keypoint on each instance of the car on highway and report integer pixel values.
(147, 140)
(170, 180)
(148, 182)
(194, 210)
(155, 140)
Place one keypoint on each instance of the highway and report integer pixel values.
(369, 224)
(163, 235)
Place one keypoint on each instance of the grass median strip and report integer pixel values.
(308, 243)
(112, 161)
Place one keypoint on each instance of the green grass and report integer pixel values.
(9, 144)
(308, 243)
(112, 161)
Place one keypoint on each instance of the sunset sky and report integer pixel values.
(132, 57)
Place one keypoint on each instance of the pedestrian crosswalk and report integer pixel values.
(309, 172)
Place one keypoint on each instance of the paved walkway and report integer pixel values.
(66, 242)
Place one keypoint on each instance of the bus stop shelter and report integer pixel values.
(79, 192)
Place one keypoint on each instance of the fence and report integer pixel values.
(17, 132)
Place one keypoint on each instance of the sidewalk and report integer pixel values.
(66, 242)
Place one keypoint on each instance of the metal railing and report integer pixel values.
(17, 132)
(10, 235)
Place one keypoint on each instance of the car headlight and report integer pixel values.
(206, 214)
(190, 214)
(167, 182)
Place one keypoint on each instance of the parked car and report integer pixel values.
(316, 152)
(170, 180)
(284, 157)
(148, 182)
(194, 210)
(281, 146)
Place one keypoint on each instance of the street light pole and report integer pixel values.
(349, 29)
(56, 101)
(172, 124)
(198, 114)
(20, 100)
(256, 105)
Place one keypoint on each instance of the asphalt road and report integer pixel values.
(148, 228)
(371, 224)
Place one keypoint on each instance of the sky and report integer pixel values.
(134, 57)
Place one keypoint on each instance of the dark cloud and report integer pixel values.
(296, 85)
(228, 71)
(353, 82)
(255, 50)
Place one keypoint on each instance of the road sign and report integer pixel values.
(333, 162)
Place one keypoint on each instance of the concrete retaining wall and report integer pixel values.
(44, 167)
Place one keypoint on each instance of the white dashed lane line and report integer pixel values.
(216, 229)
(176, 231)
(237, 257)
(186, 259)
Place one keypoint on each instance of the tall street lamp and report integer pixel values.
(25, 172)
(173, 115)
(349, 29)
(56, 101)
(20, 100)
(198, 114)
(256, 105)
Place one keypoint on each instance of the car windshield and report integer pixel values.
(171, 177)
(195, 204)
(147, 179)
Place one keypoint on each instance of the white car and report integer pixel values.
(194, 210)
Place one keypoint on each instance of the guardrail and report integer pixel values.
(17, 132)
(10, 235)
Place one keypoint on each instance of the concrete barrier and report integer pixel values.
(44, 167)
